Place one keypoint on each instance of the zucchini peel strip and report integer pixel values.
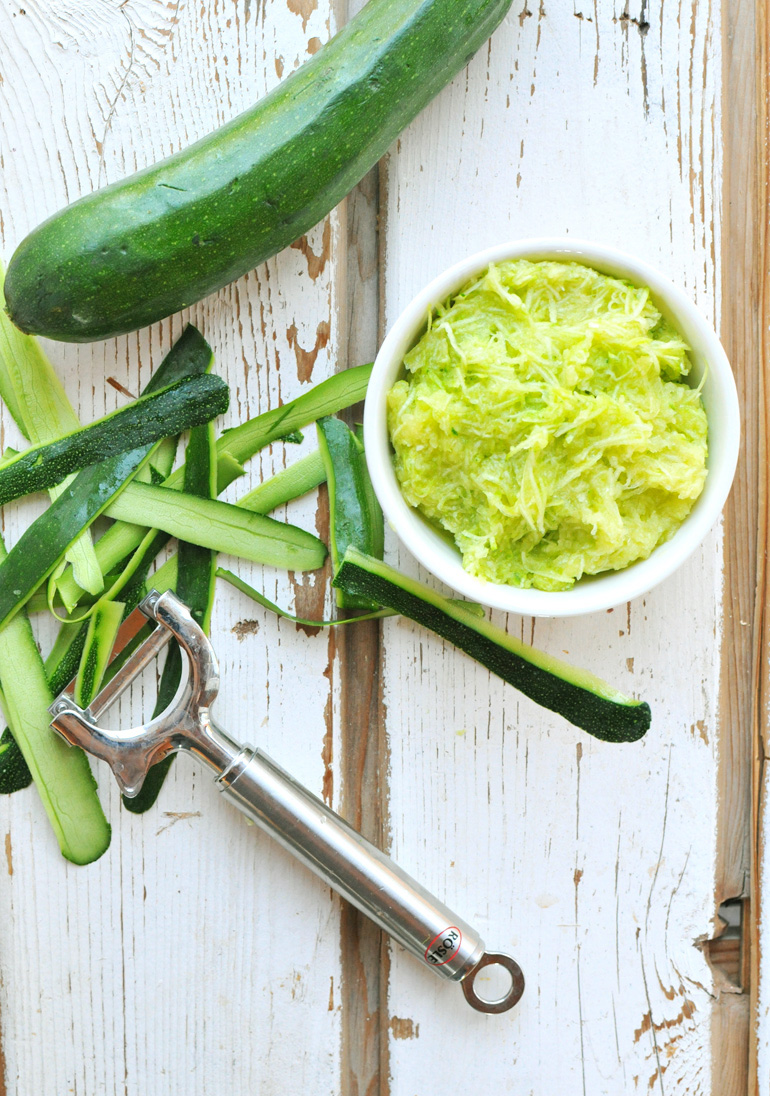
(234, 448)
(61, 773)
(35, 397)
(355, 515)
(220, 526)
(579, 696)
(195, 582)
(36, 554)
(144, 421)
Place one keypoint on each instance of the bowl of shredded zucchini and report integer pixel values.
(551, 427)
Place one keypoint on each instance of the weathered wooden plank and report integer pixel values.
(758, 210)
(743, 210)
(595, 865)
(196, 954)
(740, 332)
(364, 955)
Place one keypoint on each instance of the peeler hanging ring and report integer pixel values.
(511, 995)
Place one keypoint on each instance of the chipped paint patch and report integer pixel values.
(306, 359)
(176, 816)
(327, 753)
(404, 1028)
(243, 628)
(700, 726)
(687, 1012)
(303, 8)
(316, 264)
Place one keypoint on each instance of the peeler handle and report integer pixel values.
(363, 874)
(261, 789)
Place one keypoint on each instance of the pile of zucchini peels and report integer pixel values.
(122, 467)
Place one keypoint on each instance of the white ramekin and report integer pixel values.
(611, 588)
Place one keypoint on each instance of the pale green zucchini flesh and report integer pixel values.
(61, 773)
(219, 526)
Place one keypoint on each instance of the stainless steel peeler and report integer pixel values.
(298, 820)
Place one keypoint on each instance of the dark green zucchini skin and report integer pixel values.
(141, 249)
(143, 421)
(14, 770)
(36, 553)
(356, 517)
(603, 717)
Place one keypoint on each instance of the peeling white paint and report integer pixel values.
(601, 128)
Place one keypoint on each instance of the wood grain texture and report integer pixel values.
(743, 212)
(196, 957)
(741, 335)
(759, 1062)
(595, 865)
(363, 747)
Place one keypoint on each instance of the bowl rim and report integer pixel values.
(589, 594)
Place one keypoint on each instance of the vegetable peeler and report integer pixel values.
(298, 820)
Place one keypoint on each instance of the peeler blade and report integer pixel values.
(131, 752)
(135, 646)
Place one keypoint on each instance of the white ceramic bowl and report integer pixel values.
(611, 588)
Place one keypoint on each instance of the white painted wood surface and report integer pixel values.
(594, 863)
(196, 957)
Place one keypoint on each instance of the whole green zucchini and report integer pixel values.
(141, 249)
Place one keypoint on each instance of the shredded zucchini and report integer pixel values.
(546, 423)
